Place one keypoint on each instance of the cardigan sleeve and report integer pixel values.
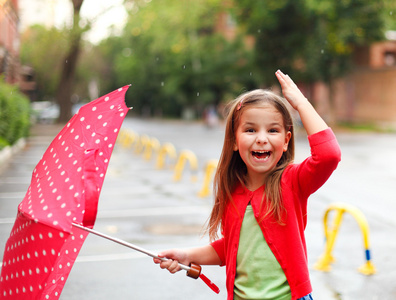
(219, 247)
(314, 171)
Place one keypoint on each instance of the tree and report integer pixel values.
(281, 29)
(315, 39)
(175, 59)
(65, 86)
(41, 49)
(341, 27)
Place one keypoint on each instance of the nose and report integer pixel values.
(262, 138)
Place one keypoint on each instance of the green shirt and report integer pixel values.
(258, 273)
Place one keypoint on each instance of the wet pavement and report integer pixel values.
(144, 206)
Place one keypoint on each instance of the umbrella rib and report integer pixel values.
(124, 243)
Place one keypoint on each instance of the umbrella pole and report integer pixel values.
(129, 245)
(193, 271)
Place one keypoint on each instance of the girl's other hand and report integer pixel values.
(173, 256)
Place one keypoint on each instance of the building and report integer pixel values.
(9, 40)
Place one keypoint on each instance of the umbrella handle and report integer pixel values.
(193, 271)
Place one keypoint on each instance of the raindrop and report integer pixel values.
(322, 51)
(197, 94)
(162, 83)
(184, 67)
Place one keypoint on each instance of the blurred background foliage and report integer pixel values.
(14, 115)
(177, 59)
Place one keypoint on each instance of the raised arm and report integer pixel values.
(311, 120)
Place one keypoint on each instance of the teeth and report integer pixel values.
(261, 154)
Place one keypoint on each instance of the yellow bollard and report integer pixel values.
(141, 143)
(209, 169)
(127, 137)
(323, 264)
(185, 155)
(152, 145)
(166, 149)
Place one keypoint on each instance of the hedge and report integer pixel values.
(14, 115)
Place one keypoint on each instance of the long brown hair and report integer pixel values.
(232, 170)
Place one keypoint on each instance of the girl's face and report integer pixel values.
(261, 140)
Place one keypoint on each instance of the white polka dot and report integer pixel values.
(100, 117)
(94, 108)
(107, 99)
(88, 126)
(82, 119)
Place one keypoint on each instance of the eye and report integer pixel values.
(250, 130)
(273, 130)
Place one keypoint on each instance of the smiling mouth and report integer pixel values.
(261, 154)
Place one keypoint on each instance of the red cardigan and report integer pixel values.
(287, 242)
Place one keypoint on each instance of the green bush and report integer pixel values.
(14, 115)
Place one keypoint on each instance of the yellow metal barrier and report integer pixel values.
(127, 137)
(141, 143)
(152, 145)
(183, 157)
(209, 170)
(166, 149)
(323, 264)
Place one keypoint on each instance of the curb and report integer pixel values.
(9, 151)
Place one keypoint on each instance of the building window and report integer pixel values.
(390, 58)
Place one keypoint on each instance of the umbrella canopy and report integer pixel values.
(64, 189)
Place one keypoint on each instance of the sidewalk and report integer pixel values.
(343, 282)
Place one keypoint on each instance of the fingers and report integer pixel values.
(171, 265)
(284, 79)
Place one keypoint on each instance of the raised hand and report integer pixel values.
(310, 118)
(290, 90)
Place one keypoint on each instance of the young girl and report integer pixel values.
(261, 197)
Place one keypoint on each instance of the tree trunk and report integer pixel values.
(65, 86)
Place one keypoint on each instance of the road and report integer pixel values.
(144, 206)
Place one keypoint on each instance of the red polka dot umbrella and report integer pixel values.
(64, 189)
